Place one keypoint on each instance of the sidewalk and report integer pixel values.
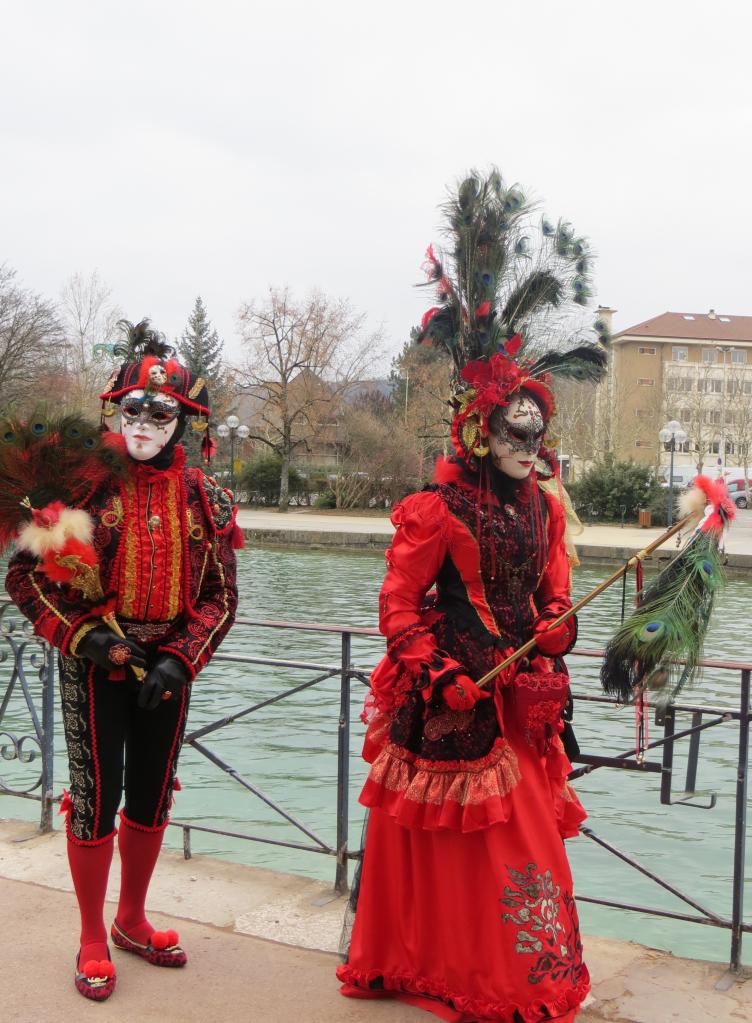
(261, 947)
(311, 528)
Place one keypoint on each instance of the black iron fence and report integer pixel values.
(30, 667)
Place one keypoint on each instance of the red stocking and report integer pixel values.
(139, 848)
(90, 868)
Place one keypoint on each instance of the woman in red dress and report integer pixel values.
(465, 904)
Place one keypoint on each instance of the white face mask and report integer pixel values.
(516, 443)
(147, 423)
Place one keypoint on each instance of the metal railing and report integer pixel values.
(29, 655)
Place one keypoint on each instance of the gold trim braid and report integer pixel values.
(78, 635)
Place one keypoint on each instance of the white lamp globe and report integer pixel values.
(243, 431)
(223, 430)
(664, 436)
(233, 422)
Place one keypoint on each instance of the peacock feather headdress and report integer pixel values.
(500, 281)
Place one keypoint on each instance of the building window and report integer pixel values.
(643, 413)
(643, 444)
(685, 415)
(729, 446)
(714, 448)
(646, 351)
(739, 356)
(708, 355)
(710, 386)
(713, 417)
(684, 448)
(679, 354)
(728, 418)
(646, 381)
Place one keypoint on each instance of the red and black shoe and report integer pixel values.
(96, 979)
(163, 948)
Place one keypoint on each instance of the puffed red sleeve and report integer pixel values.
(55, 612)
(414, 560)
(552, 597)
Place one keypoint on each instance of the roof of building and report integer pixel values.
(710, 326)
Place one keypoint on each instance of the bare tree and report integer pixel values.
(377, 458)
(422, 385)
(737, 426)
(575, 423)
(89, 318)
(696, 401)
(30, 342)
(300, 357)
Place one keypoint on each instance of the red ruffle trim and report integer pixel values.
(568, 810)
(135, 826)
(534, 1012)
(458, 795)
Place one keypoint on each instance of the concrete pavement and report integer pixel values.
(261, 947)
(321, 529)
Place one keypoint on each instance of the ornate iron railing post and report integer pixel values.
(48, 738)
(740, 826)
(343, 767)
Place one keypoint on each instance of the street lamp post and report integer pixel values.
(230, 428)
(672, 434)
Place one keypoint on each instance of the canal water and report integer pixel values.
(288, 750)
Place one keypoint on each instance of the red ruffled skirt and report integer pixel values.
(473, 924)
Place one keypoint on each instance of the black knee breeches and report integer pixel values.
(111, 741)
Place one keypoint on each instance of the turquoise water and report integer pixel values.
(289, 749)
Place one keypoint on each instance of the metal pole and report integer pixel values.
(670, 516)
(48, 739)
(740, 827)
(232, 461)
(343, 768)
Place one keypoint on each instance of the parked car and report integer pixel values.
(737, 492)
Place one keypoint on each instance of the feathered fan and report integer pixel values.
(497, 281)
(48, 467)
(660, 645)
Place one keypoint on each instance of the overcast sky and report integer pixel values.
(221, 147)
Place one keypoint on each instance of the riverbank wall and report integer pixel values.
(603, 552)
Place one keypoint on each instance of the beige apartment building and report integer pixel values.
(692, 367)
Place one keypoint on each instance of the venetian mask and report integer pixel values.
(516, 434)
(147, 422)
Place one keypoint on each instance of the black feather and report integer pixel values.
(139, 340)
(585, 362)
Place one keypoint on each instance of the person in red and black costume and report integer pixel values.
(464, 903)
(165, 535)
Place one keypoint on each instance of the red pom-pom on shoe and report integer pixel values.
(159, 940)
(98, 968)
(172, 938)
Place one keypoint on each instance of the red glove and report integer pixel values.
(554, 642)
(462, 693)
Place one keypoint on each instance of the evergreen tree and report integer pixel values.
(200, 346)
(200, 350)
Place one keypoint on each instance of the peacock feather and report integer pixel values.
(660, 644)
(47, 457)
(503, 274)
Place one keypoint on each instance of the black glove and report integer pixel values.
(167, 676)
(101, 645)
